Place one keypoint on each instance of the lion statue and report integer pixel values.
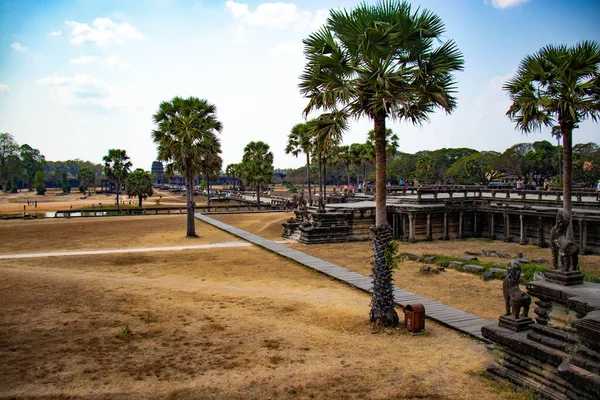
(565, 252)
(514, 298)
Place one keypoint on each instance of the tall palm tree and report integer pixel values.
(391, 144)
(380, 61)
(117, 166)
(357, 150)
(257, 166)
(425, 165)
(210, 161)
(183, 125)
(300, 141)
(557, 86)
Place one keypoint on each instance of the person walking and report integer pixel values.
(598, 190)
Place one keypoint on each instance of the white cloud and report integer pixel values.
(18, 46)
(86, 92)
(84, 60)
(113, 62)
(3, 88)
(494, 101)
(502, 4)
(276, 15)
(55, 33)
(102, 32)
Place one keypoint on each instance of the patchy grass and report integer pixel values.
(211, 324)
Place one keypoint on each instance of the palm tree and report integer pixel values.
(183, 125)
(257, 166)
(300, 141)
(117, 166)
(380, 61)
(391, 144)
(345, 156)
(210, 161)
(557, 86)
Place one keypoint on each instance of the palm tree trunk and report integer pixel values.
(567, 132)
(383, 313)
(320, 176)
(325, 177)
(191, 227)
(308, 178)
(208, 191)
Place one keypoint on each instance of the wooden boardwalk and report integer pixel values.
(456, 319)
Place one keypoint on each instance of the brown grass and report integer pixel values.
(211, 324)
(464, 291)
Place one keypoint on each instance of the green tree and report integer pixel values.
(380, 61)
(32, 161)
(9, 150)
(64, 183)
(475, 168)
(586, 163)
(300, 141)
(86, 178)
(346, 157)
(182, 127)
(40, 188)
(257, 166)
(425, 166)
(139, 183)
(557, 86)
(117, 166)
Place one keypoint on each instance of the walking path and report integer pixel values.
(462, 321)
(115, 251)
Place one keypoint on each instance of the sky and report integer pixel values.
(78, 78)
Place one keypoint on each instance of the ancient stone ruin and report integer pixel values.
(558, 354)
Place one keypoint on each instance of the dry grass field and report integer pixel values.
(204, 324)
(464, 291)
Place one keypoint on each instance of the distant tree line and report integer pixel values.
(531, 162)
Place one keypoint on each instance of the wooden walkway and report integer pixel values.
(456, 319)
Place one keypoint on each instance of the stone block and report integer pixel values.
(455, 264)
(473, 268)
(498, 272)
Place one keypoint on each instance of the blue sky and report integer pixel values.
(80, 77)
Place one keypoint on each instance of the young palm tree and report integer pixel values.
(182, 127)
(380, 61)
(139, 183)
(257, 166)
(117, 166)
(557, 86)
(300, 140)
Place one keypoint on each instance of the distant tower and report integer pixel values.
(158, 172)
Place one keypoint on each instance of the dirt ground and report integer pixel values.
(207, 324)
(464, 291)
(54, 200)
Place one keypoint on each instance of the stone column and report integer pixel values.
(506, 227)
(446, 236)
(541, 242)
(411, 228)
(492, 234)
(460, 224)
(429, 235)
(475, 227)
(523, 230)
(583, 236)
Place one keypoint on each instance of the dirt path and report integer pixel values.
(117, 251)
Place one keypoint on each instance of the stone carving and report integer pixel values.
(565, 253)
(304, 209)
(322, 203)
(514, 298)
